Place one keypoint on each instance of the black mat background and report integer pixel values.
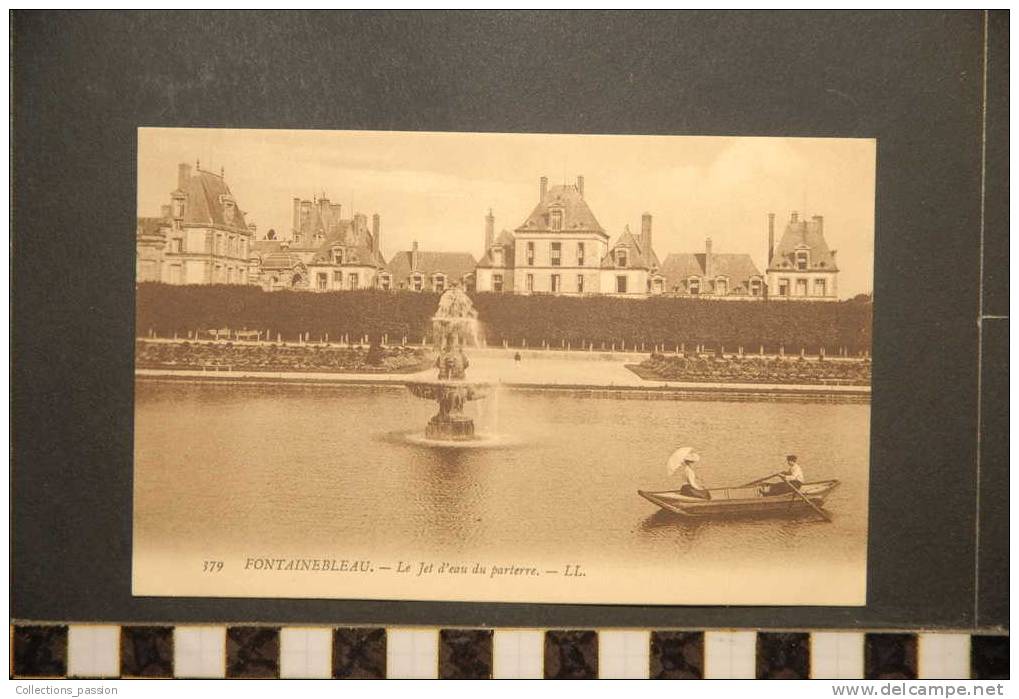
(82, 84)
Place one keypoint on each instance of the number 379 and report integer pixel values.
(212, 566)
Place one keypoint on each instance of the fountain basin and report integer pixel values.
(450, 423)
(439, 390)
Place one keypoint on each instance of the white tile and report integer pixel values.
(943, 656)
(412, 653)
(199, 651)
(836, 656)
(624, 655)
(93, 651)
(306, 653)
(518, 654)
(730, 655)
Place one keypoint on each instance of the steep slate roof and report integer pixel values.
(357, 239)
(738, 267)
(808, 233)
(342, 232)
(204, 194)
(453, 264)
(638, 257)
(577, 216)
(280, 260)
(508, 244)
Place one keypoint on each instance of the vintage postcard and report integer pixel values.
(503, 367)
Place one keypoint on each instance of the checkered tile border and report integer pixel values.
(198, 651)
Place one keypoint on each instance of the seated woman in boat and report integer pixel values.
(683, 460)
(793, 476)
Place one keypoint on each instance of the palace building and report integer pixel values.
(325, 252)
(201, 236)
(420, 270)
(730, 276)
(560, 248)
(802, 267)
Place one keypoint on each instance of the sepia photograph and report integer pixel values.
(503, 367)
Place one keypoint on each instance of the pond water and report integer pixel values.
(231, 470)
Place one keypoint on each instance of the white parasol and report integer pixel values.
(682, 454)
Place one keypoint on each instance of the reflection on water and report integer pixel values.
(313, 468)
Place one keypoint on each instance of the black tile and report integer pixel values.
(359, 654)
(571, 655)
(465, 654)
(988, 656)
(40, 651)
(783, 656)
(889, 656)
(146, 651)
(677, 655)
(252, 652)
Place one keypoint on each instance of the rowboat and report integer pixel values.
(742, 501)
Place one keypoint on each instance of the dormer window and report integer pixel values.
(178, 208)
(319, 237)
(802, 259)
(337, 256)
(497, 257)
(694, 286)
(229, 208)
(621, 257)
(439, 282)
(417, 282)
(556, 219)
(721, 286)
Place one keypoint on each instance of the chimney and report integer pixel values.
(376, 230)
(489, 231)
(544, 188)
(709, 268)
(819, 223)
(645, 233)
(323, 211)
(297, 214)
(414, 256)
(305, 224)
(771, 238)
(580, 184)
(183, 176)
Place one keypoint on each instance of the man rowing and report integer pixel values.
(792, 478)
(683, 460)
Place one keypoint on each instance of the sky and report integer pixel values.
(435, 188)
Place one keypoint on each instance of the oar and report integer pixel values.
(796, 490)
(759, 480)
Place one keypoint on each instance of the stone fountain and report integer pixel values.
(454, 326)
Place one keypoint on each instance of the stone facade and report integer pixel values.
(201, 236)
(323, 252)
(802, 267)
(729, 276)
(560, 248)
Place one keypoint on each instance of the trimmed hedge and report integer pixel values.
(557, 320)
